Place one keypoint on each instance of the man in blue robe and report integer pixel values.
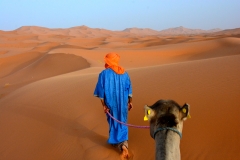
(115, 92)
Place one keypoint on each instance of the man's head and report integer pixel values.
(111, 59)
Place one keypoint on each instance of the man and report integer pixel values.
(115, 92)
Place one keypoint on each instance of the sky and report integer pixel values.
(120, 14)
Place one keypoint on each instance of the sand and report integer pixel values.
(47, 79)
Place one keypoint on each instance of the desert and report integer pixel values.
(47, 79)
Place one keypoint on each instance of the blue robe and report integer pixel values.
(115, 89)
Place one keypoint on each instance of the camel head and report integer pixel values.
(166, 113)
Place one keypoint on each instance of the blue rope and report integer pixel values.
(167, 128)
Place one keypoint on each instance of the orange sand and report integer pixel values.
(47, 79)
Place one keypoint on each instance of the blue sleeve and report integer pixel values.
(129, 87)
(99, 90)
(130, 90)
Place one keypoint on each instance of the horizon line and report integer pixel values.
(116, 30)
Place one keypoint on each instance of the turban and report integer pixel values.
(111, 61)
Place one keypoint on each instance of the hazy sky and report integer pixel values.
(120, 14)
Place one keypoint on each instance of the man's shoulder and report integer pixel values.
(125, 73)
(105, 71)
(109, 71)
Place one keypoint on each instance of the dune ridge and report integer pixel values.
(47, 107)
(84, 30)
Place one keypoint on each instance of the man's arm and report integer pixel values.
(130, 105)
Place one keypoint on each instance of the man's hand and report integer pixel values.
(105, 109)
(130, 106)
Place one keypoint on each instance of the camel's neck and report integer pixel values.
(168, 145)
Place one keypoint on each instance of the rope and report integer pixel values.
(130, 125)
(167, 128)
(146, 127)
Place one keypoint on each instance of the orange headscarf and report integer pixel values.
(111, 61)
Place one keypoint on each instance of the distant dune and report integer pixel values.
(171, 31)
(228, 32)
(85, 31)
(139, 31)
(186, 31)
(47, 79)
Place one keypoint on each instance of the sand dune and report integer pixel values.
(3, 52)
(48, 111)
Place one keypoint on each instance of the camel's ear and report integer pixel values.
(185, 110)
(149, 113)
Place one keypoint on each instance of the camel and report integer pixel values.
(166, 123)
